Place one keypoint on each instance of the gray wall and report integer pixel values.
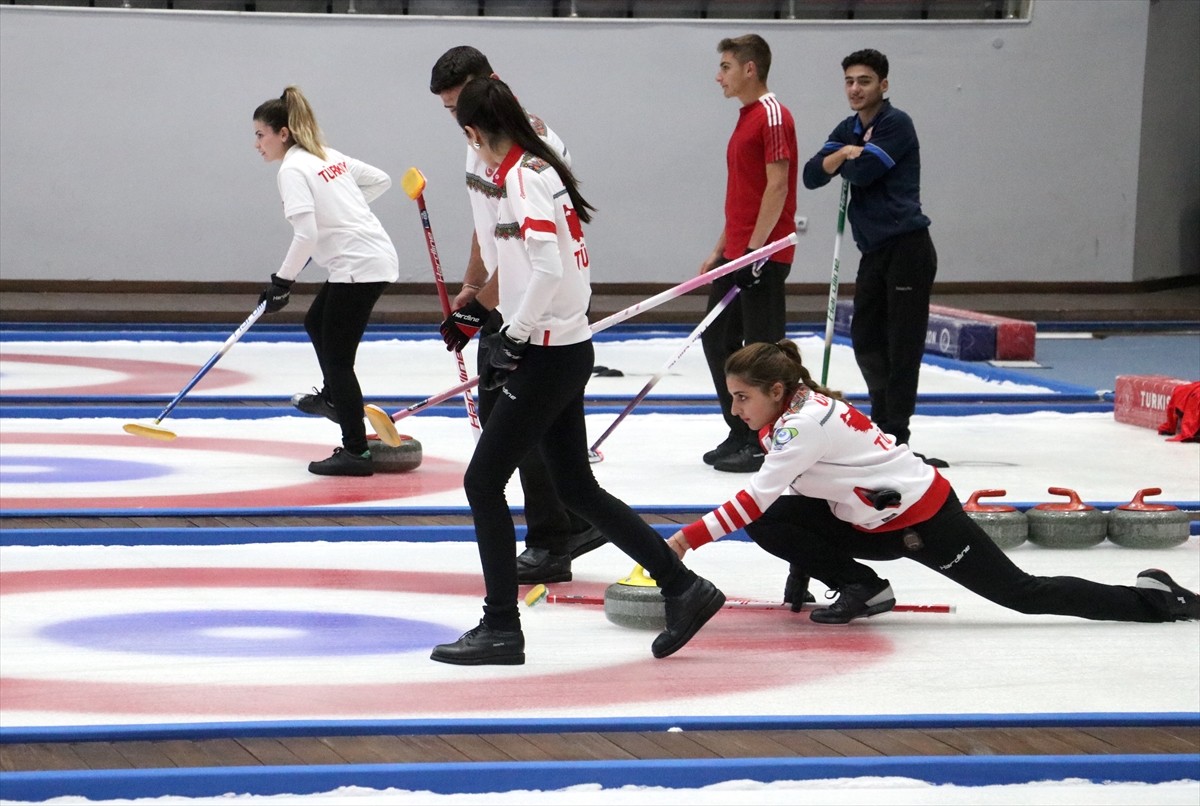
(1168, 193)
(126, 149)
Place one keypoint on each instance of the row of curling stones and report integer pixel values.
(1073, 524)
(404, 457)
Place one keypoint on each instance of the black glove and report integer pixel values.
(277, 294)
(503, 357)
(795, 590)
(461, 325)
(749, 276)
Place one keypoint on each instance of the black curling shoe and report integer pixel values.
(343, 463)
(536, 565)
(727, 448)
(1179, 602)
(584, 541)
(317, 404)
(857, 601)
(686, 614)
(483, 646)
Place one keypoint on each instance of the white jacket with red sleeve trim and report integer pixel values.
(825, 448)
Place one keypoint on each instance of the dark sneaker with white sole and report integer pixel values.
(856, 601)
(686, 614)
(1179, 602)
(317, 404)
(344, 463)
(483, 646)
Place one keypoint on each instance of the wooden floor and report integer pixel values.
(595, 746)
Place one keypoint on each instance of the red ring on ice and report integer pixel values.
(786, 650)
(144, 377)
(433, 476)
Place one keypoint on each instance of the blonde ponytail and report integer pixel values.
(302, 123)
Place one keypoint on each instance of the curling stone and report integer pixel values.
(1070, 525)
(404, 457)
(1139, 525)
(636, 601)
(1007, 526)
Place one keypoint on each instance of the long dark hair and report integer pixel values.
(763, 364)
(488, 105)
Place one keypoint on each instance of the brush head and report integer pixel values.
(537, 594)
(413, 183)
(149, 431)
(385, 427)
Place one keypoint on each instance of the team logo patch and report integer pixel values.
(783, 436)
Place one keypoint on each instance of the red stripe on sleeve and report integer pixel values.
(731, 514)
(537, 225)
(748, 503)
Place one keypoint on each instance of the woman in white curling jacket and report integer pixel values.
(835, 489)
(326, 197)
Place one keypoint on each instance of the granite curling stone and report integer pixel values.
(1007, 526)
(404, 457)
(1066, 525)
(1142, 525)
(636, 601)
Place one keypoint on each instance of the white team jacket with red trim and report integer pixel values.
(484, 193)
(545, 281)
(825, 448)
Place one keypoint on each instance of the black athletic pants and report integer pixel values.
(548, 523)
(891, 315)
(804, 531)
(541, 406)
(756, 314)
(335, 322)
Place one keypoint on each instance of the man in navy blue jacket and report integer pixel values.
(876, 150)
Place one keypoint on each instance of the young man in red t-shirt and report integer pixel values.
(760, 207)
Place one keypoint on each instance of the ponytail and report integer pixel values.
(763, 365)
(489, 105)
(291, 109)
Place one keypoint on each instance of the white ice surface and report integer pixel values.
(406, 367)
(650, 459)
(833, 792)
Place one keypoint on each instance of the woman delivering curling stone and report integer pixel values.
(542, 358)
(834, 488)
(326, 197)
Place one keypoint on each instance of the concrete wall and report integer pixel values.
(126, 149)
